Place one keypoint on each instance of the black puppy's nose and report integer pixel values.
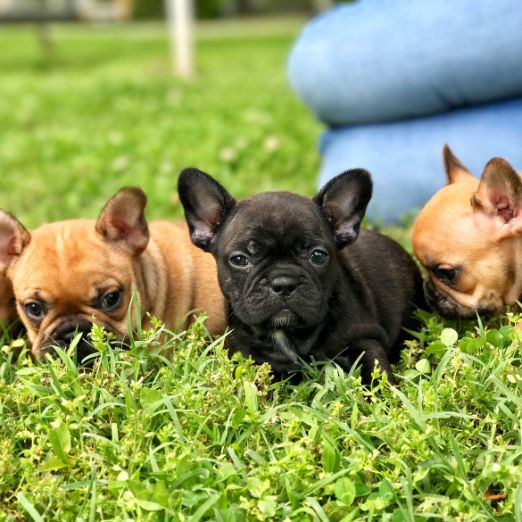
(284, 286)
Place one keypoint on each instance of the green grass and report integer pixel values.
(176, 430)
(105, 111)
(198, 436)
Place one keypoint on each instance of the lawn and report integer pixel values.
(104, 111)
(145, 435)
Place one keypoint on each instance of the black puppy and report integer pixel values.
(293, 287)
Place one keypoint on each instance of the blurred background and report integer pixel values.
(91, 99)
(97, 94)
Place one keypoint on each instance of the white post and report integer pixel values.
(5, 6)
(180, 15)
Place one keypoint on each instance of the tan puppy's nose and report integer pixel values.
(65, 334)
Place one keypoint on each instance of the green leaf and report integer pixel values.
(60, 439)
(268, 505)
(518, 504)
(386, 490)
(52, 463)
(497, 339)
(470, 345)
(200, 512)
(250, 396)
(449, 336)
(345, 491)
(323, 517)
(225, 470)
(257, 487)
(148, 505)
(400, 516)
(151, 400)
(38, 389)
(423, 366)
(361, 488)
(29, 508)
(331, 455)
(437, 348)
(380, 499)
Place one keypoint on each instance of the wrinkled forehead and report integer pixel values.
(68, 243)
(454, 238)
(446, 216)
(277, 217)
(66, 254)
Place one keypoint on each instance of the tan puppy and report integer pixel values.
(469, 239)
(7, 304)
(69, 274)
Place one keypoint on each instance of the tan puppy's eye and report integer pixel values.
(111, 300)
(35, 310)
(445, 273)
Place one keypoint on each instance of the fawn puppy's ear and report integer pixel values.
(497, 203)
(206, 204)
(122, 220)
(343, 200)
(456, 172)
(14, 237)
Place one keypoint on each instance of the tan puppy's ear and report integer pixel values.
(456, 172)
(122, 220)
(498, 199)
(14, 237)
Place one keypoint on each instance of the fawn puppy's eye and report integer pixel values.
(318, 257)
(446, 273)
(239, 260)
(34, 310)
(111, 300)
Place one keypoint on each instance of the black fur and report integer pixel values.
(282, 307)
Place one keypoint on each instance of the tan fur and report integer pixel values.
(67, 263)
(456, 172)
(7, 307)
(459, 228)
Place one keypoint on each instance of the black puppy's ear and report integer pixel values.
(122, 220)
(343, 201)
(206, 205)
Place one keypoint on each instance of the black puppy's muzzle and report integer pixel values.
(284, 285)
(279, 296)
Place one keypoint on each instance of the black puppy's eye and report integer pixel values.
(318, 257)
(239, 260)
(111, 300)
(35, 310)
(446, 273)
